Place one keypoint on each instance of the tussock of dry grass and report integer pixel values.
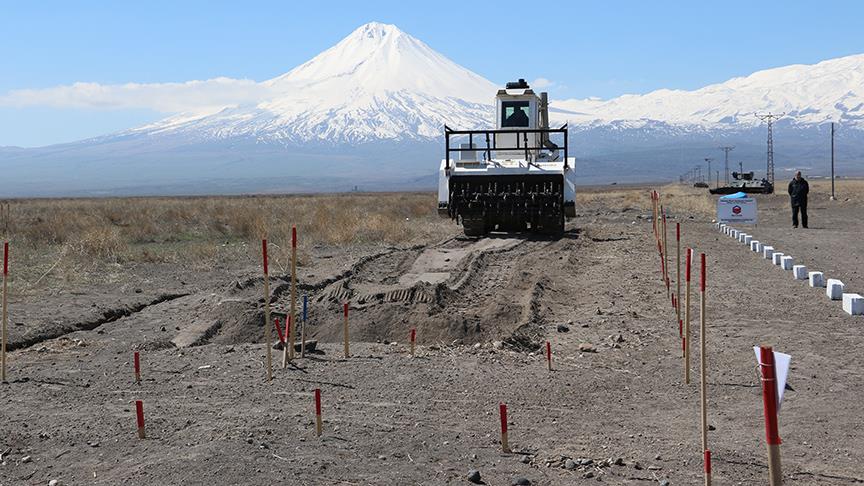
(84, 234)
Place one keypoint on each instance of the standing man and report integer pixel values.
(798, 189)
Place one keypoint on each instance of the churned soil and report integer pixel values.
(614, 409)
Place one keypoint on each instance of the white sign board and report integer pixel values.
(781, 371)
(740, 211)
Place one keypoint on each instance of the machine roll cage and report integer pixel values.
(520, 133)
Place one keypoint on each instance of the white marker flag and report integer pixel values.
(781, 371)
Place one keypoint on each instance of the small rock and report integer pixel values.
(525, 459)
(55, 482)
(657, 457)
(664, 483)
(563, 328)
(619, 462)
(26, 459)
(477, 346)
(521, 482)
(474, 476)
(588, 475)
(570, 464)
(587, 348)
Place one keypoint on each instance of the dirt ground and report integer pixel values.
(615, 404)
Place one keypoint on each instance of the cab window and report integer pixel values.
(514, 114)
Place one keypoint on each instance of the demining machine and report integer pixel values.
(517, 177)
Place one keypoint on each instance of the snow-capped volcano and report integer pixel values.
(379, 83)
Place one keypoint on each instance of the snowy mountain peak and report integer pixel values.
(377, 83)
(810, 94)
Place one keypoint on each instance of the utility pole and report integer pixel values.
(740, 168)
(718, 180)
(709, 159)
(727, 149)
(769, 119)
(832, 162)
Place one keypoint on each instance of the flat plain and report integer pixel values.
(179, 280)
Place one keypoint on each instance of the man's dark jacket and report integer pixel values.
(798, 190)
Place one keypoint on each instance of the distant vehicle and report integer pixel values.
(746, 183)
(517, 177)
(701, 184)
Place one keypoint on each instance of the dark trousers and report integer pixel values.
(803, 209)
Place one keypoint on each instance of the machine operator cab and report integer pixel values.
(518, 108)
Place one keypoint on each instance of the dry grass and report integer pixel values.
(75, 236)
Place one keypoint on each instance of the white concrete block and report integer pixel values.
(853, 304)
(768, 252)
(834, 289)
(799, 272)
(748, 239)
(786, 262)
(754, 245)
(735, 233)
(817, 279)
(776, 258)
(742, 237)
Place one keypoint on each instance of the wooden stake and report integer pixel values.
(689, 260)
(413, 338)
(502, 411)
(137, 362)
(769, 402)
(318, 425)
(678, 270)
(549, 355)
(303, 329)
(267, 333)
(665, 254)
(345, 330)
(292, 337)
(139, 412)
(703, 364)
(5, 336)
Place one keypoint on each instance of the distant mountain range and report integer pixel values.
(369, 112)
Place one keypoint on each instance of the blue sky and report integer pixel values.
(601, 49)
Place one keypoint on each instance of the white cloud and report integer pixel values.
(540, 83)
(189, 96)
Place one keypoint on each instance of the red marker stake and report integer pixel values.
(665, 254)
(708, 463)
(549, 355)
(318, 425)
(703, 364)
(769, 402)
(413, 339)
(139, 411)
(3, 333)
(502, 411)
(678, 270)
(688, 261)
(137, 361)
(291, 334)
(345, 329)
(278, 330)
(268, 335)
